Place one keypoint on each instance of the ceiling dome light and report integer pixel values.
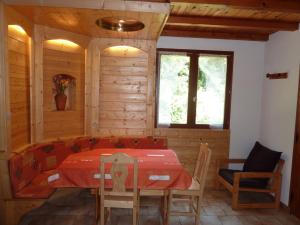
(120, 24)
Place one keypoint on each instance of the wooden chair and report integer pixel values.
(235, 188)
(193, 195)
(118, 196)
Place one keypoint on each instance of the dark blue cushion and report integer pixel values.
(228, 175)
(261, 159)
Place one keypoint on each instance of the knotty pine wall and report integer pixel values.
(63, 59)
(123, 92)
(19, 86)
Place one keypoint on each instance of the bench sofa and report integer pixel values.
(30, 169)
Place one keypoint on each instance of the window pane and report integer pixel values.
(173, 90)
(211, 86)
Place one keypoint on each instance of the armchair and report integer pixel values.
(237, 181)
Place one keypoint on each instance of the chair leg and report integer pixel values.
(169, 208)
(235, 200)
(134, 215)
(165, 207)
(97, 203)
(198, 210)
(277, 199)
(102, 216)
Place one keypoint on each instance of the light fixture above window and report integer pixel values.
(120, 24)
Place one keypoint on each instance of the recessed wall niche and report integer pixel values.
(63, 60)
(64, 92)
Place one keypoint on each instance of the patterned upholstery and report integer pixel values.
(102, 142)
(50, 155)
(29, 170)
(23, 167)
(143, 143)
(38, 187)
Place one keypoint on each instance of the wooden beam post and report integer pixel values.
(92, 86)
(37, 96)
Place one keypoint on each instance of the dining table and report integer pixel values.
(157, 169)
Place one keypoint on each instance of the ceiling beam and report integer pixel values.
(218, 22)
(288, 6)
(120, 5)
(216, 35)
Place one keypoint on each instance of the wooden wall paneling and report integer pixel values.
(5, 188)
(60, 59)
(37, 95)
(16, 208)
(125, 78)
(88, 91)
(186, 143)
(5, 179)
(95, 88)
(31, 89)
(52, 33)
(16, 18)
(19, 87)
(4, 96)
(151, 88)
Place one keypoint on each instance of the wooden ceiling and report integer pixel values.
(223, 19)
(74, 17)
(232, 19)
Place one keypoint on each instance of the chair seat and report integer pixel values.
(228, 174)
(148, 192)
(118, 202)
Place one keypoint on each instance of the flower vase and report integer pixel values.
(60, 101)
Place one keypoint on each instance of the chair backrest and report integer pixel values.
(119, 164)
(202, 165)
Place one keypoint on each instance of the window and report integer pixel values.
(193, 88)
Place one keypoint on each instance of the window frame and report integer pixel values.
(191, 111)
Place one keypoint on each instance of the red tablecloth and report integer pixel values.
(158, 169)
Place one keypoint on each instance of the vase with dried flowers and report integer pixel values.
(61, 82)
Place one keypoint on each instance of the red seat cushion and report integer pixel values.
(38, 187)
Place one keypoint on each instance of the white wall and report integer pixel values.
(246, 87)
(279, 99)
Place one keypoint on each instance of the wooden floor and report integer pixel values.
(72, 207)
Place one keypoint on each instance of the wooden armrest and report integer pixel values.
(235, 161)
(221, 162)
(239, 175)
